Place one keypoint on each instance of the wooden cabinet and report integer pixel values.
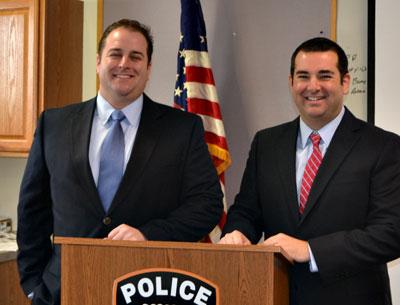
(10, 291)
(40, 65)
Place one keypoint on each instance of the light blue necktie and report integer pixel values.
(111, 160)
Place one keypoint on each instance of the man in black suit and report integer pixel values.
(169, 189)
(342, 226)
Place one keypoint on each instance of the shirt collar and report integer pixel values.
(132, 112)
(326, 132)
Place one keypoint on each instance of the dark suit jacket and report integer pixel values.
(352, 218)
(170, 189)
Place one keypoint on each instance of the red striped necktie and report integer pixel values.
(310, 171)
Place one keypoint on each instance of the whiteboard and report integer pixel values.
(387, 45)
(352, 36)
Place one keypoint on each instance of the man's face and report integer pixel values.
(123, 67)
(316, 87)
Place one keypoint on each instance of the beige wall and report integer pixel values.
(89, 49)
(10, 178)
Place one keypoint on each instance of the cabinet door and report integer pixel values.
(18, 75)
(10, 290)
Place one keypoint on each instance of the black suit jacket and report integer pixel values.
(352, 218)
(170, 190)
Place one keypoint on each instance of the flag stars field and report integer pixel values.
(178, 91)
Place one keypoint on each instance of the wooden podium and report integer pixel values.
(244, 274)
(10, 291)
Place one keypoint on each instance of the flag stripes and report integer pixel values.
(201, 91)
(197, 58)
(205, 107)
(195, 91)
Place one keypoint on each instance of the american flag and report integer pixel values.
(195, 91)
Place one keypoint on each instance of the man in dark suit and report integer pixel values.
(338, 219)
(169, 189)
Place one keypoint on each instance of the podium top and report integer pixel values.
(170, 245)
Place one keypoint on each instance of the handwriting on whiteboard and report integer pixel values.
(358, 72)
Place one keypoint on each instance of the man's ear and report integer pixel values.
(149, 70)
(98, 58)
(290, 81)
(346, 83)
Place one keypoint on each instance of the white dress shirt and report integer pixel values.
(101, 125)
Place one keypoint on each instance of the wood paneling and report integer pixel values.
(245, 275)
(10, 291)
(18, 74)
(61, 53)
(40, 65)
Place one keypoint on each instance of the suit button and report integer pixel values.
(107, 220)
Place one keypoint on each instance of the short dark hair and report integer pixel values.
(322, 44)
(132, 25)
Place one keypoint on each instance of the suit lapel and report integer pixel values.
(286, 157)
(342, 142)
(80, 125)
(145, 142)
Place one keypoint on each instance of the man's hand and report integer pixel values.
(125, 232)
(296, 249)
(235, 238)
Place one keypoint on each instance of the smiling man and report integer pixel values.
(123, 65)
(119, 166)
(325, 188)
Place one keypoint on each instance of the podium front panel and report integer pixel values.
(244, 275)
